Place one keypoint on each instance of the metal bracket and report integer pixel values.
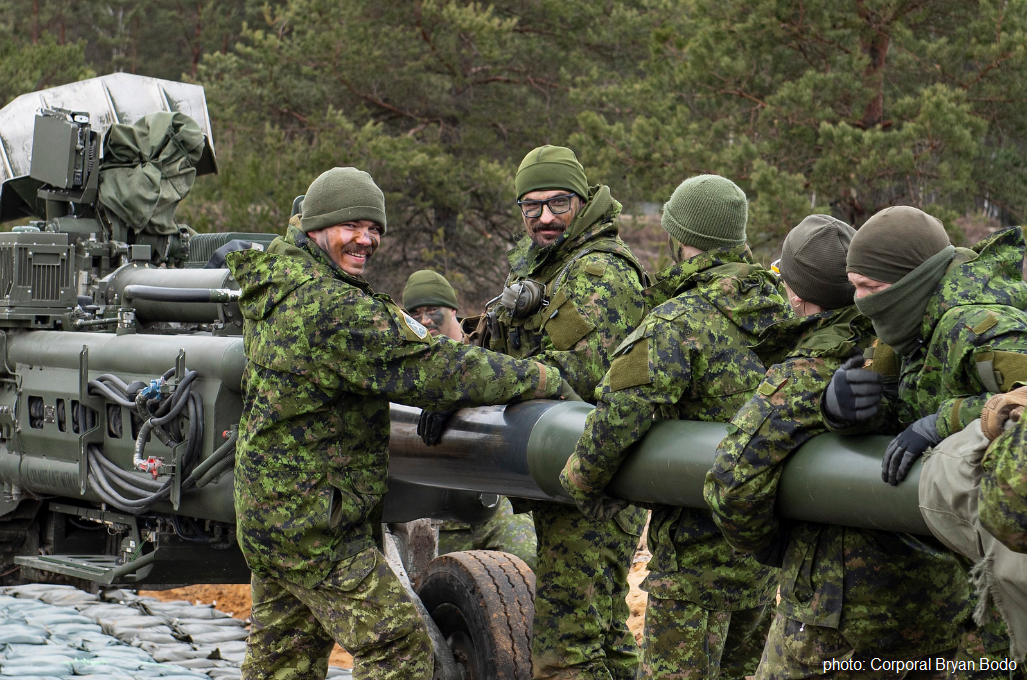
(176, 473)
(93, 435)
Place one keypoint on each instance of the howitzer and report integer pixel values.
(121, 358)
(120, 346)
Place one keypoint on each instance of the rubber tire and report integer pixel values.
(484, 603)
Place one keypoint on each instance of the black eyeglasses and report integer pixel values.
(558, 205)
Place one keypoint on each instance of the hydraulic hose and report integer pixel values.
(127, 490)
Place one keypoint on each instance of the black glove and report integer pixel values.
(217, 260)
(854, 393)
(907, 447)
(432, 424)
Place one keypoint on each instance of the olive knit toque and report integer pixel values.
(813, 261)
(342, 195)
(426, 288)
(894, 242)
(551, 167)
(706, 212)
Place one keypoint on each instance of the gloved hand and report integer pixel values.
(432, 424)
(567, 392)
(1000, 409)
(854, 393)
(601, 509)
(907, 447)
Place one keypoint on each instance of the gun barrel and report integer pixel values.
(520, 449)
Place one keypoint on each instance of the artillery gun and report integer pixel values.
(120, 365)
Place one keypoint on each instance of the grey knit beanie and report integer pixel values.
(342, 195)
(813, 261)
(706, 212)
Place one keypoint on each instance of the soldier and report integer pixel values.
(325, 356)
(954, 319)
(708, 610)
(573, 293)
(846, 594)
(430, 299)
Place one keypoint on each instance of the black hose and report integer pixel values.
(164, 294)
(103, 476)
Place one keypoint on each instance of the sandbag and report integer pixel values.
(949, 485)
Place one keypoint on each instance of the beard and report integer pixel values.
(535, 228)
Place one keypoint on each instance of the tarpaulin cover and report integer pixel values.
(148, 167)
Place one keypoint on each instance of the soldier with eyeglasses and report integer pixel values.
(573, 294)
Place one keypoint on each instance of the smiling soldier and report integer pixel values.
(573, 294)
(325, 355)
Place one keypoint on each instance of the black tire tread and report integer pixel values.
(506, 588)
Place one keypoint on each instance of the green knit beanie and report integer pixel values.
(894, 242)
(342, 195)
(426, 288)
(551, 167)
(813, 261)
(706, 212)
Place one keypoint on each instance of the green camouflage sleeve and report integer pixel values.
(1003, 495)
(651, 370)
(599, 302)
(377, 349)
(987, 353)
(784, 414)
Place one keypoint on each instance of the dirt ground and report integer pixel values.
(235, 600)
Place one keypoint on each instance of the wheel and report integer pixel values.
(483, 601)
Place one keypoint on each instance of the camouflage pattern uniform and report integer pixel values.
(1002, 502)
(325, 356)
(594, 284)
(973, 345)
(845, 593)
(709, 609)
(504, 531)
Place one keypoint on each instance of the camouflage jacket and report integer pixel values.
(974, 336)
(325, 355)
(883, 591)
(595, 288)
(1002, 502)
(690, 360)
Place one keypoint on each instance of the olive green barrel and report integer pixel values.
(520, 451)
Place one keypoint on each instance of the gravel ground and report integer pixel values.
(50, 632)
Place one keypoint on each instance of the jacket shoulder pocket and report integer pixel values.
(564, 324)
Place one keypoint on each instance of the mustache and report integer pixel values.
(536, 225)
(357, 249)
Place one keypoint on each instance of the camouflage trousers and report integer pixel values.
(505, 531)
(683, 641)
(361, 604)
(989, 641)
(797, 650)
(580, 629)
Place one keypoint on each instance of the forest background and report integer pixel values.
(811, 106)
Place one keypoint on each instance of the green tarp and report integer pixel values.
(148, 167)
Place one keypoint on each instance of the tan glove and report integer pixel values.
(1002, 408)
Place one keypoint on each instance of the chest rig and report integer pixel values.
(515, 322)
